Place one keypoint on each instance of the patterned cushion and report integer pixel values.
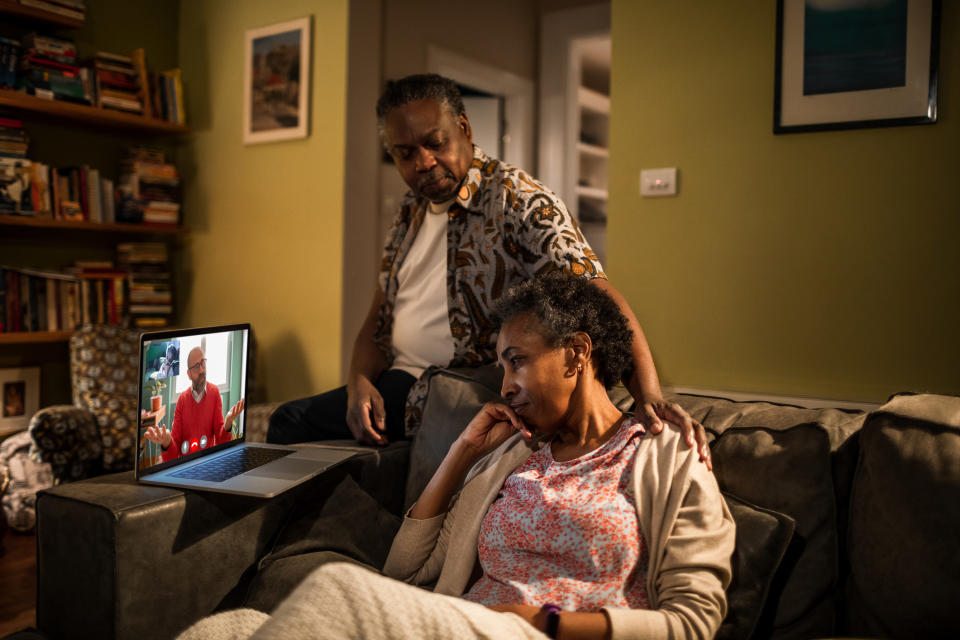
(69, 440)
(24, 478)
(103, 369)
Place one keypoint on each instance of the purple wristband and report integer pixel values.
(553, 619)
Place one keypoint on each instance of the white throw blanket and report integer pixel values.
(342, 600)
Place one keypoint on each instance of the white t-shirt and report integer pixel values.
(421, 321)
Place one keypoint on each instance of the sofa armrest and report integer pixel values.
(118, 559)
(68, 438)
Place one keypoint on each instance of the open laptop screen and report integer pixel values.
(192, 387)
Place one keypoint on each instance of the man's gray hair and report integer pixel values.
(418, 87)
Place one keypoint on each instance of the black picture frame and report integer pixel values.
(808, 94)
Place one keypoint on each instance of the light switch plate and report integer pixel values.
(658, 182)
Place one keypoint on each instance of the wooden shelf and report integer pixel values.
(593, 193)
(13, 8)
(34, 337)
(594, 101)
(594, 150)
(119, 227)
(82, 113)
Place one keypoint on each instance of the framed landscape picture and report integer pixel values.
(848, 64)
(19, 398)
(277, 82)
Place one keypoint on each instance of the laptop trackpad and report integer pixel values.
(285, 469)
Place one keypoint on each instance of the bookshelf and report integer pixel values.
(68, 134)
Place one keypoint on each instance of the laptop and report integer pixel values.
(192, 424)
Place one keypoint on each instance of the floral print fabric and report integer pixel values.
(567, 532)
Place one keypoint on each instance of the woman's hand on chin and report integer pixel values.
(493, 424)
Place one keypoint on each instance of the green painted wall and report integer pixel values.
(265, 242)
(818, 264)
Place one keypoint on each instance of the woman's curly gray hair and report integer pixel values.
(565, 304)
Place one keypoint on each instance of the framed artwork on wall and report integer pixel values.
(850, 64)
(276, 82)
(19, 398)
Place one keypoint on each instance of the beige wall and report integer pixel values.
(266, 221)
(361, 197)
(821, 264)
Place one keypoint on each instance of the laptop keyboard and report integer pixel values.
(233, 464)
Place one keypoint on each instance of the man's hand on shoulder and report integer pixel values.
(654, 409)
(366, 416)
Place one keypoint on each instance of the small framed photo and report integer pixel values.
(19, 398)
(851, 64)
(277, 82)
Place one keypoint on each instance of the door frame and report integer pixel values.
(518, 107)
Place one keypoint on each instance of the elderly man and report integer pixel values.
(198, 420)
(470, 228)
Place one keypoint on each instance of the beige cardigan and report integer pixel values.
(682, 516)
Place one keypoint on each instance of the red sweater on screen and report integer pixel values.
(193, 420)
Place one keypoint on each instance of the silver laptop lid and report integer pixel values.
(185, 406)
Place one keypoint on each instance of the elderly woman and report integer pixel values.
(550, 514)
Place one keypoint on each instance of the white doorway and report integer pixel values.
(574, 114)
(485, 112)
(516, 92)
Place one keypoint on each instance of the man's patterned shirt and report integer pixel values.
(503, 228)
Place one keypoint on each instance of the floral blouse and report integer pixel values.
(566, 532)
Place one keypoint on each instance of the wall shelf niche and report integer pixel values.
(25, 103)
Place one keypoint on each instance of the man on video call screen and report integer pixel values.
(201, 375)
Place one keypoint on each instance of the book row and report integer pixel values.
(28, 187)
(148, 189)
(48, 67)
(35, 300)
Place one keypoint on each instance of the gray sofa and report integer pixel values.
(847, 524)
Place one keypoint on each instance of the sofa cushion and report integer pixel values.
(345, 525)
(454, 396)
(352, 511)
(905, 520)
(763, 536)
(782, 458)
